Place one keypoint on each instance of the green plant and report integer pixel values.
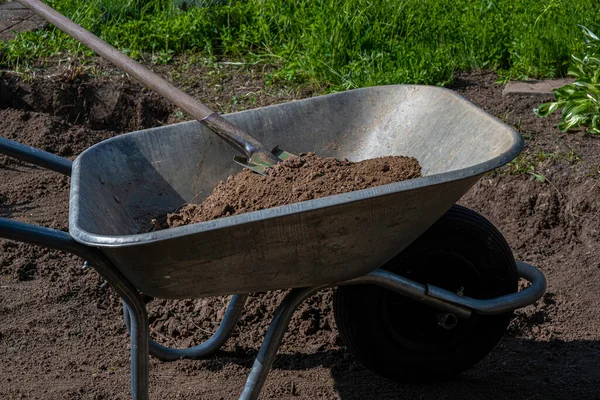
(537, 175)
(338, 44)
(533, 163)
(580, 101)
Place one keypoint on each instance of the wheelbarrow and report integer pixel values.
(425, 288)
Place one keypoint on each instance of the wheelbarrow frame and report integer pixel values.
(136, 317)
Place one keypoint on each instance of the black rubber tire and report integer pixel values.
(402, 339)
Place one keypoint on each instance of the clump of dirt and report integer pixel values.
(296, 179)
(99, 105)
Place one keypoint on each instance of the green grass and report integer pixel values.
(342, 43)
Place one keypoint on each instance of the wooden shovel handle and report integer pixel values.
(239, 139)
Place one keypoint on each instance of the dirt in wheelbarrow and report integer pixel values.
(62, 335)
(299, 178)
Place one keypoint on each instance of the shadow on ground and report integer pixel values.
(517, 369)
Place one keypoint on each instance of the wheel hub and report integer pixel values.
(447, 320)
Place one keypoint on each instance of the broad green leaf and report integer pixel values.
(573, 122)
(584, 83)
(594, 60)
(588, 35)
(564, 92)
(546, 109)
(571, 110)
(581, 108)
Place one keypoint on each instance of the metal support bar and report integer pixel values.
(501, 304)
(268, 350)
(409, 288)
(461, 306)
(35, 156)
(52, 238)
(210, 346)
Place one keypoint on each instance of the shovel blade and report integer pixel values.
(260, 166)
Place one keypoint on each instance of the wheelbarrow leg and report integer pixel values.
(210, 346)
(268, 350)
(139, 334)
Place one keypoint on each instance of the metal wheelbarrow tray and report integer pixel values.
(118, 185)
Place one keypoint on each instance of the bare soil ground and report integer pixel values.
(62, 335)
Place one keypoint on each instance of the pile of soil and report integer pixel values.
(299, 178)
(62, 334)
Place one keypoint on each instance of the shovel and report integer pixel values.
(256, 157)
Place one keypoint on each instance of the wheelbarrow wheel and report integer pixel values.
(405, 340)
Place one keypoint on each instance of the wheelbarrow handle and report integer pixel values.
(35, 156)
(38, 235)
(60, 240)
